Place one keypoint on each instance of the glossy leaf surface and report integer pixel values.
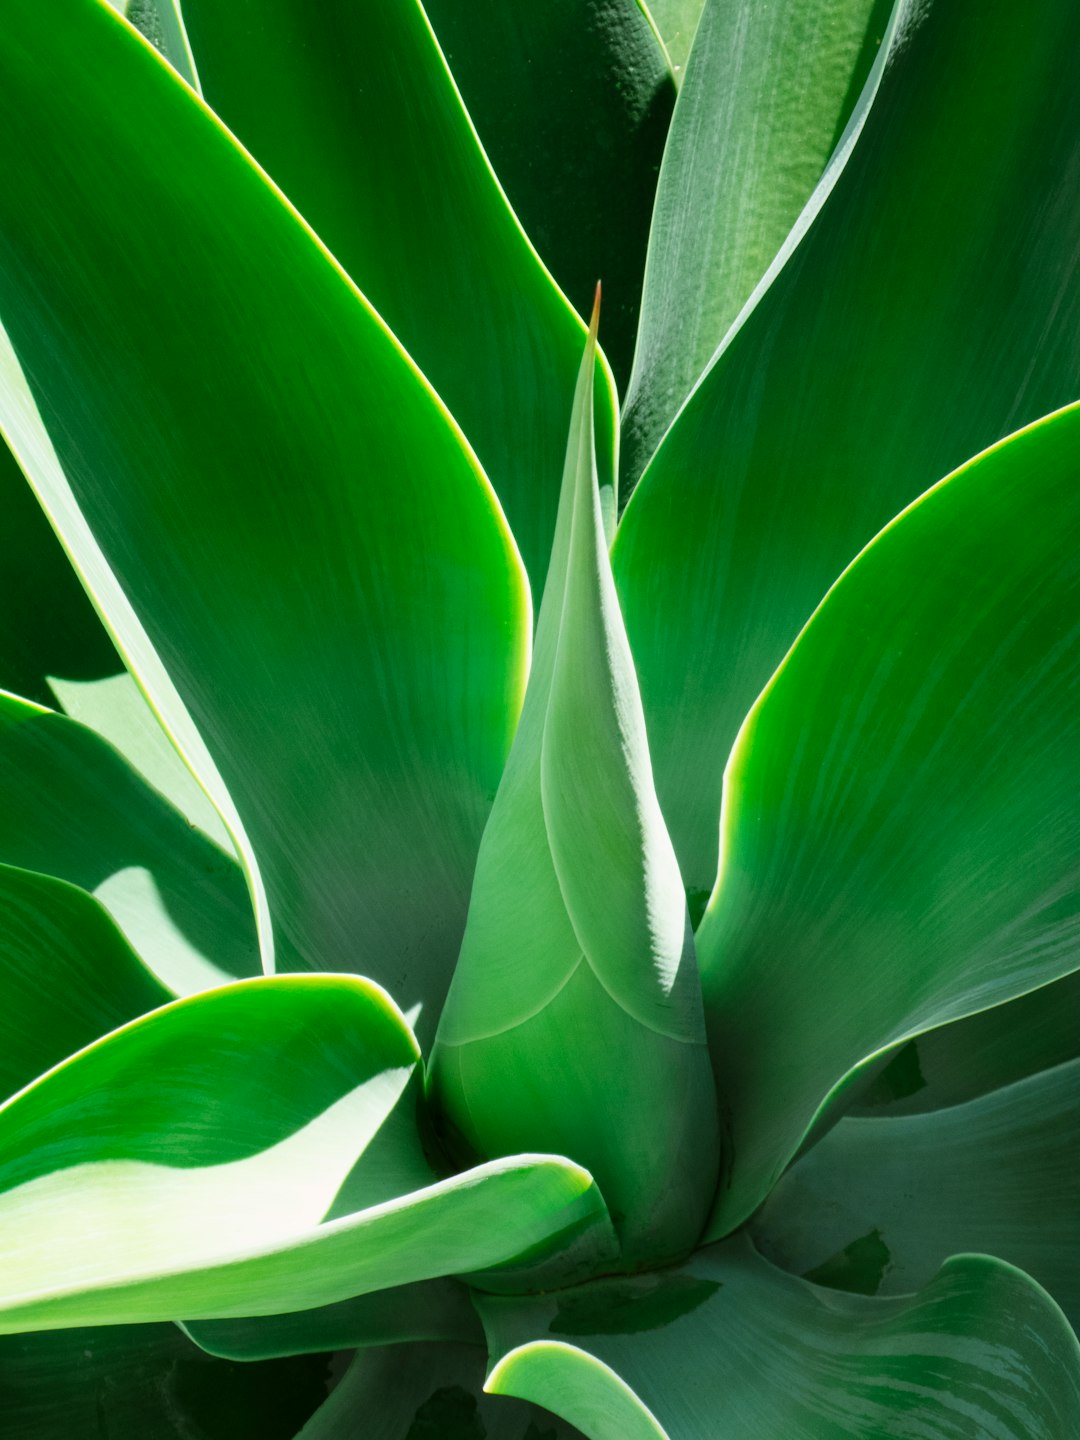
(349, 639)
(66, 976)
(381, 159)
(729, 1345)
(899, 838)
(763, 104)
(676, 20)
(930, 309)
(879, 1204)
(573, 114)
(574, 1021)
(183, 1165)
(71, 807)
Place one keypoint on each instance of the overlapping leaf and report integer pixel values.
(72, 808)
(763, 105)
(930, 309)
(726, 1344)
(574, 1020)
(900, 839)
(352, 111)
(350, 637)
(879, 1204)
(573, 117)
(211, 1160)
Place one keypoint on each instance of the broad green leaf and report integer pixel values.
(163, 25)
(66, 976)
(766, 98)
(729, 1345)
(879, 1204)
(427, 1392)
(380, 157)
(47, 625)
(676, 22)
(348, 637)
(928, 310)
(147, 1382)
(118, 711)
(900, 834)
(428, 1311)
(572, 103)
(71, 807)
(574, 1021)
(196, 1163)
(971, 1057)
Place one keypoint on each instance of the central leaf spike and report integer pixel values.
(574, 1022)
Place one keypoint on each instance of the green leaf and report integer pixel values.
(996, 1047)
(765, 101)
(349, 639)
(206, 1161)
(427, 1392)
(431, 1310)
(71, 807)
(117, 710)
(47, 625)
(676, 21)
(577, 1386)
(149, 1382)
(927, 311)
(997, 1175)
(163, 25)
(572, 102)
(380, 157)
(574, 1021)
(899, 836)
(67, 976)
(729, 1345)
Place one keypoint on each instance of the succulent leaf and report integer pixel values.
(930, 309)
(761, 109)
(997, 1175)
(380, 157)
(899, 839)
(349, 638)
(71, 807)
(729, 1345)
(577, 980)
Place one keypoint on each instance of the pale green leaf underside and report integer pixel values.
(879, 1204)
(71, 807)
(899, 836)
(728, 1345)
(260, 488)
(163, 25)
(200, 1162)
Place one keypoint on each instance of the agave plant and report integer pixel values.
(657, 1020)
